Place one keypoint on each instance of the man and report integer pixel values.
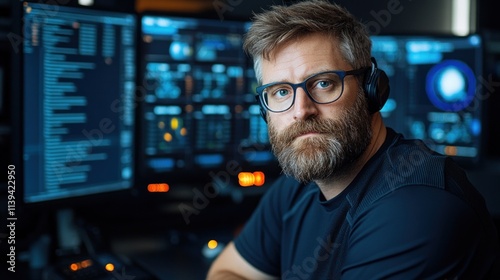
(358, 200)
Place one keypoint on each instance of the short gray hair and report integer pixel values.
(283, 24)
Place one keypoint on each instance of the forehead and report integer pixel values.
(298, 59)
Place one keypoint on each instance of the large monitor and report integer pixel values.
(199, 116)
(436, 90)
(78, 82)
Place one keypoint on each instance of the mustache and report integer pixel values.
(311, 125)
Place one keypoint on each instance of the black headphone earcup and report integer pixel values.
(376, 88)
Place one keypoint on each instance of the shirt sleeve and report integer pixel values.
(259, 243)
(415, 232)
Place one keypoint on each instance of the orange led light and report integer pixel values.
(247, 179)
(73, 267)
(86, 263)
(259, 178)
(80, 265)
(167, 137)
(160, 187)
(109, 267)
(212, 244)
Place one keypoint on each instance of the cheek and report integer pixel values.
(279, 122)
(336, 109)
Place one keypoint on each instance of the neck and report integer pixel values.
(333, 186)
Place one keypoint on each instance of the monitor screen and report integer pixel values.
(436, 90)
(199, 114)
(78, 93)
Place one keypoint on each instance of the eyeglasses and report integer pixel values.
(321, 88)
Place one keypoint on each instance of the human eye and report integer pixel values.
(324, 83)
(278, 92)
(281, 92)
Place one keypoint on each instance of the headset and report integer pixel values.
(376, 87)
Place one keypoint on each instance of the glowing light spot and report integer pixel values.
(212, 244)
(86, 2)
(450, 150)
(184, 131)
(452, 85)
(73, 267)
(174, 123)
(247, 179)
(259, 178)
(109, 267)
(167, 137)
(160, 187)
(86, 263)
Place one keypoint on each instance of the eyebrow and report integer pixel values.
(304, 78)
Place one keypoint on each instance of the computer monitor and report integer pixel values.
(199, 116)
(436, 91)
(77, 101)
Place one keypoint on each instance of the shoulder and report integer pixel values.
(429, 229)
(411, 161)
(419, 206)
(398, 163)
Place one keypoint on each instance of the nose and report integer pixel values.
(303, 107)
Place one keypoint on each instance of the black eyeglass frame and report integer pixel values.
(341, 73)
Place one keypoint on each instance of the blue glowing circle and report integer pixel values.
(451, 85)
(180, 50)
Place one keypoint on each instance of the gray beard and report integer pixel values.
(330, 154)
